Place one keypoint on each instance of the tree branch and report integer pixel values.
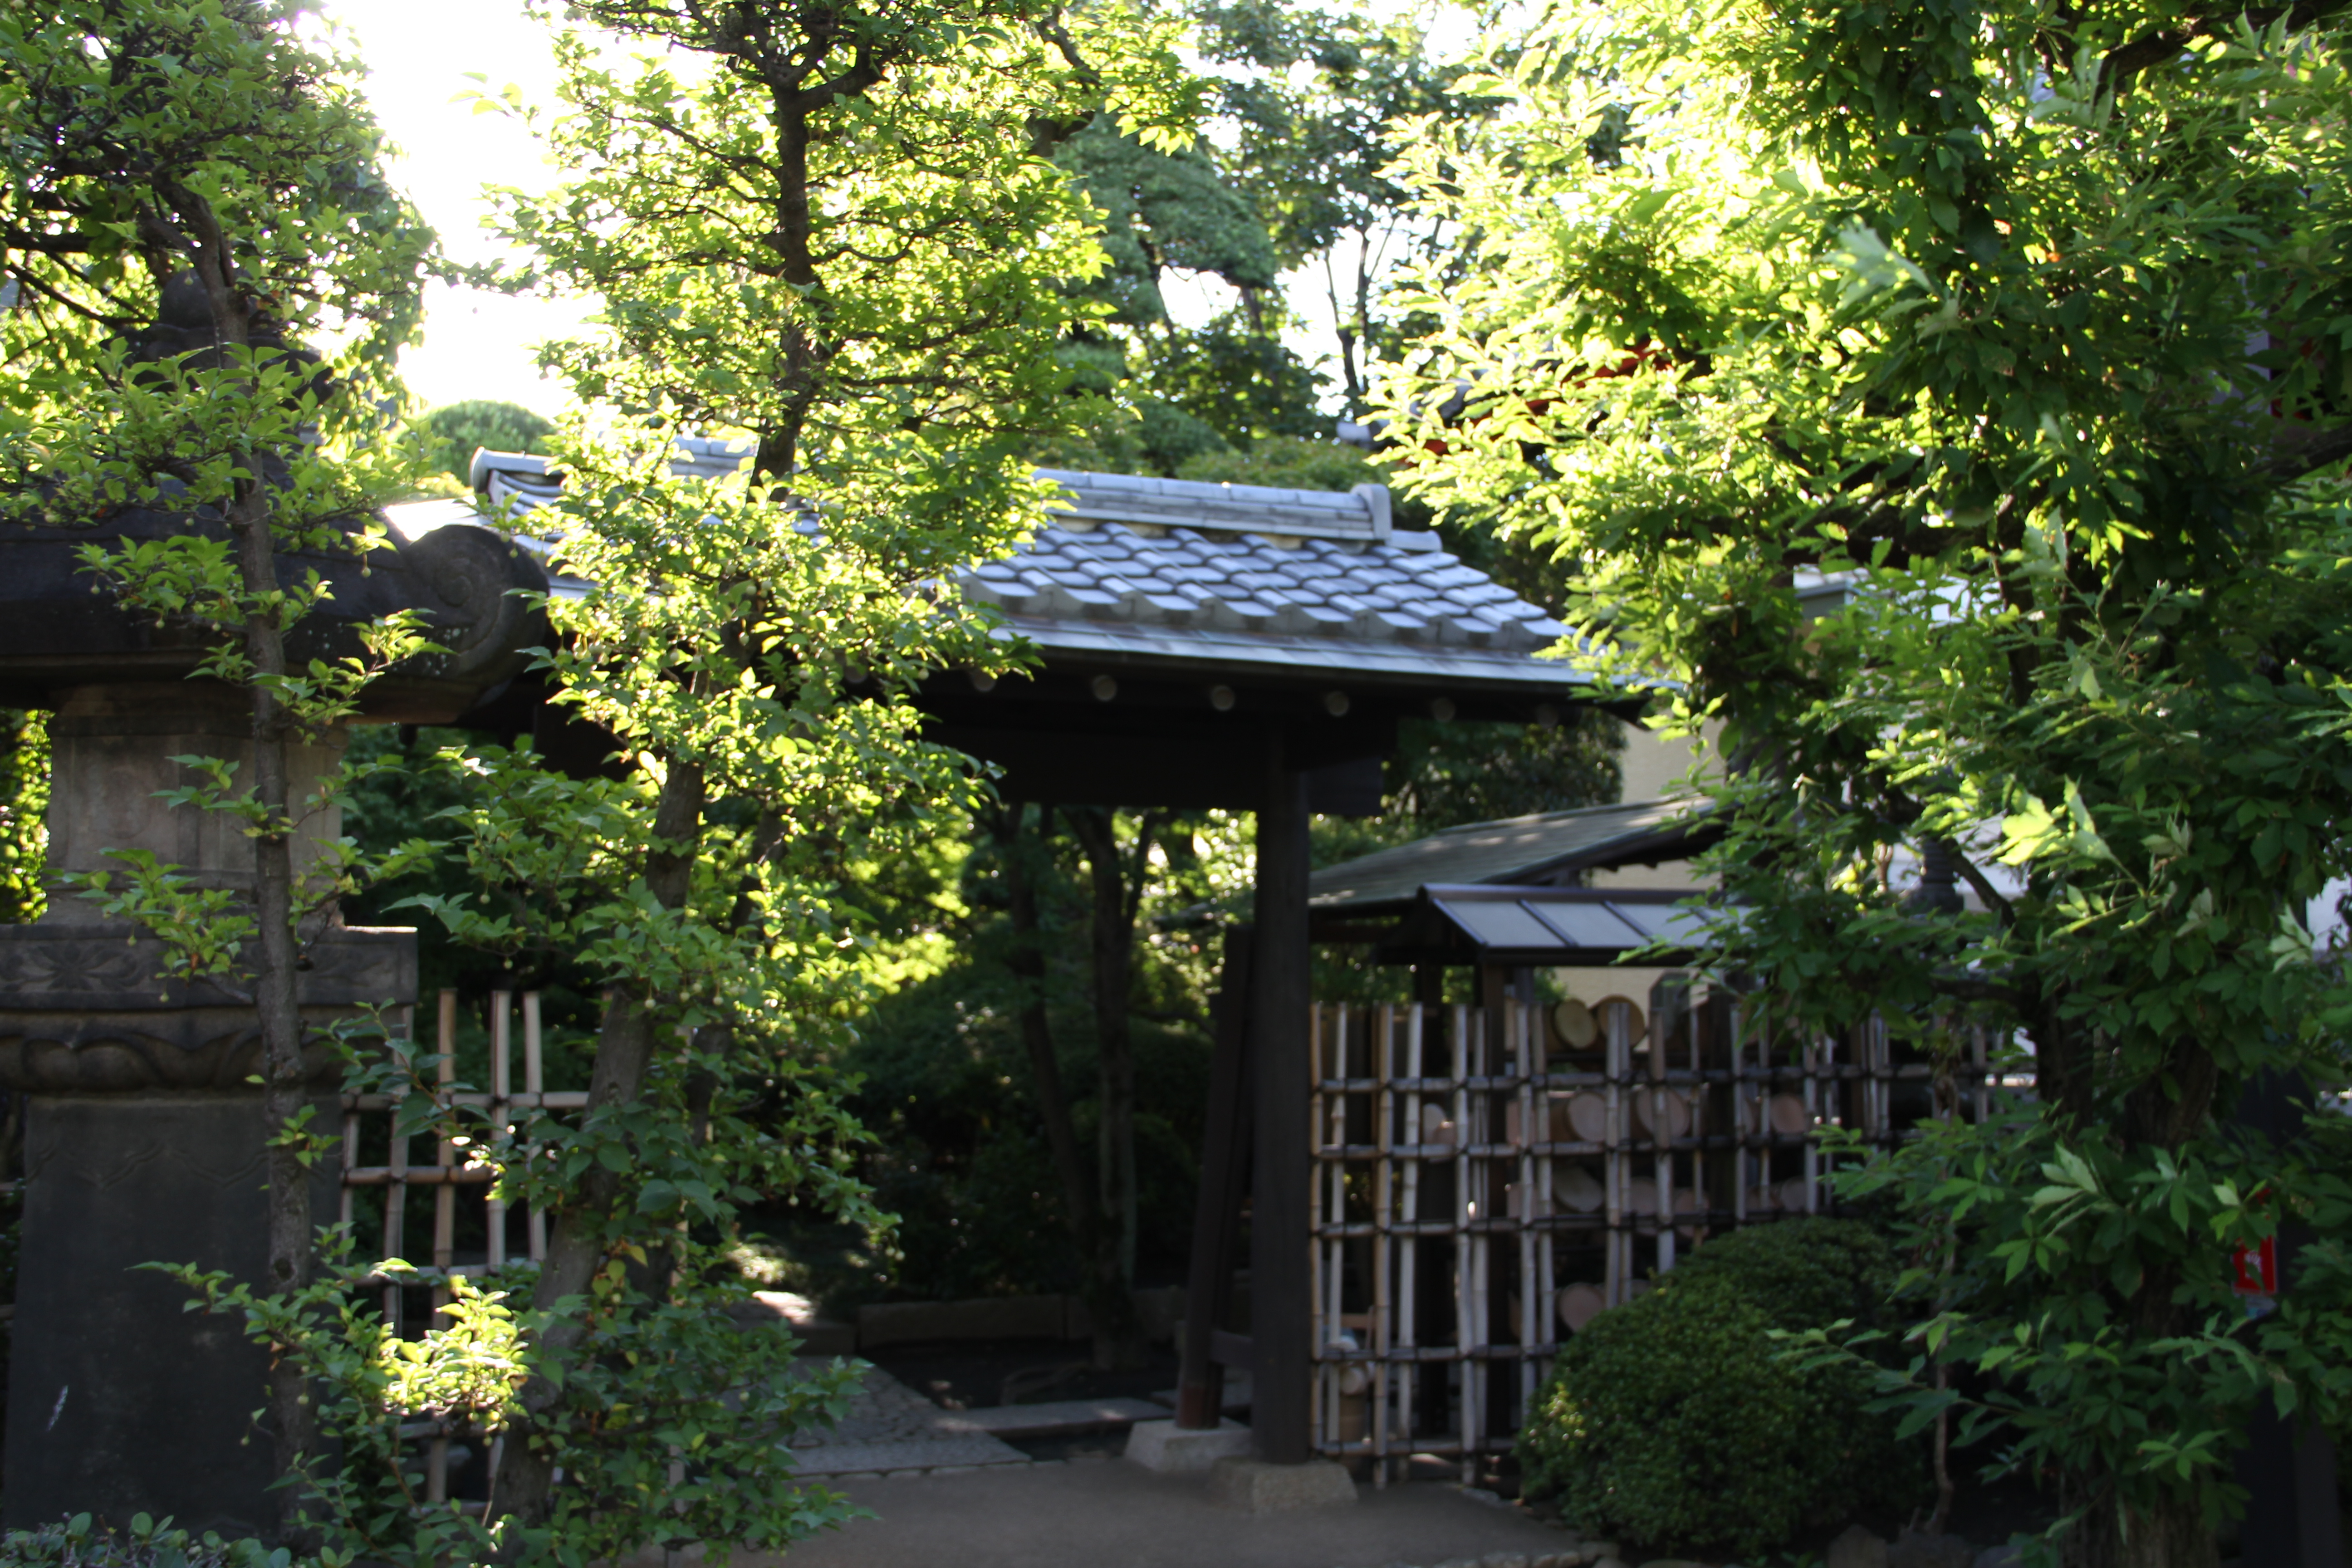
(1977, 881)
(2151, 49)
(2303, 450)
(1967, 988)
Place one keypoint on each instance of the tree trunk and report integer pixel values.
(284, 1092)
(277, 1015)
(625, 1049)
(2171, 1535)
(1116, 897)
(1091, 1232)
(1028, 965)
(2164, 1111)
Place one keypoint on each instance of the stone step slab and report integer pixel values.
(966, 1451)
(1051, 1417)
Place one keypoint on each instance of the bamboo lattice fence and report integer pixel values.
(1485, 1182)
(450, 1178)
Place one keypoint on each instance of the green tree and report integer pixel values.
(454, 431)
(195, 188)
(1165, 210)
(1179, 392)
(1313, 96)
(833, 238)
(1299, 184)
(2030, 327)
(1444, 775)
(1246, 385)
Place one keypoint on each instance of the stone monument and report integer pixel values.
(143, 1138)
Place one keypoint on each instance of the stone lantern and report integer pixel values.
(143, 1131)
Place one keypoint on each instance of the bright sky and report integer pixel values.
(478, 345)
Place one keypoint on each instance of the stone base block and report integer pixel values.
(120, 1400)
(1174, 1450)
(818, 1336)
(1253, 1486)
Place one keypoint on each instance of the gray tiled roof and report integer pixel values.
(1514, 851)
(1185, 555)
(1170, 569)
(522, 479)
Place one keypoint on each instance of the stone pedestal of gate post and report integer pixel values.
(143, 1135)
(144, 1129)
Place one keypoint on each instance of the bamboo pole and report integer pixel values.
(1702, 1044)
(1329, 1051)
(500, 1119)
(1466, 1288)
(1612, 1178)
(1661, 1156)
(1981, 1074)
(445, 1195)
(1817, 1049)
(1408, 1268)
(395, 1192)
(1318, 1215)
(1531, 1299)
(348, 1197)
(1747, 1110)
(534, 1084)
(1547, 1260)
(1382, 1046)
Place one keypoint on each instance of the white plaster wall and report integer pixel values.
(1653, 766)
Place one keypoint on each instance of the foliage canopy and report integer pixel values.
(2026, 332)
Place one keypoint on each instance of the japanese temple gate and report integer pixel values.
(1231, 647)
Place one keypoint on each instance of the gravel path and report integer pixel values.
(889, 1429)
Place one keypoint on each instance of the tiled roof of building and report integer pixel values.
(1231, 574)
(1185, 555)
(521, 481)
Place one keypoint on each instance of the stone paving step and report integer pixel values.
(1051, 1416)
(1236, 1397)
(958, 1452)
(890, 1428)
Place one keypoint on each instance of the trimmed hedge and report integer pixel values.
(1675, 1421)
(1801, 1273)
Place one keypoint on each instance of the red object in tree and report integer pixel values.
(2255, 1269)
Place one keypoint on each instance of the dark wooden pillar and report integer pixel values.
(2292, 1518)
(1281, 1283)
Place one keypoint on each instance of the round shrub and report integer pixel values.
(1801, 1274)
(1663, 1422)
(1675, 1419)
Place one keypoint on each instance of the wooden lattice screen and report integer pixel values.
(1486, 1181)
(450, 1178)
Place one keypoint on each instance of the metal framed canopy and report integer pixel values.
(1545, 849)
(1537, 927)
